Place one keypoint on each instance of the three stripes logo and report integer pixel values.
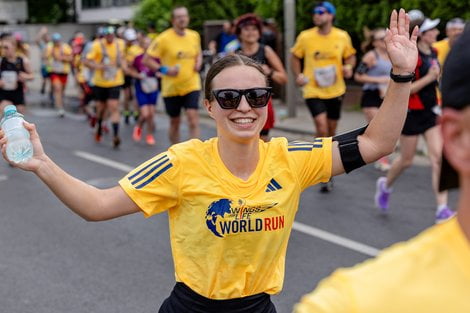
(273, 186)
(150, 172)
(305, 145)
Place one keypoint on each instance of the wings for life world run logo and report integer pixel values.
(223, 219)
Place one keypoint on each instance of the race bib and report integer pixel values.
(57, 66)
(149, 84)
(325, 76)
(10, 80)
(110, 72)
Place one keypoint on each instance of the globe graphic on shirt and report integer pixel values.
(216, 210)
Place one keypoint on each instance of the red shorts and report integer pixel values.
(62, 78)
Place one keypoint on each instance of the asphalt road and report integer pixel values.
(53, 261)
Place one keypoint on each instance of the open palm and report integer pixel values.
(401, 47)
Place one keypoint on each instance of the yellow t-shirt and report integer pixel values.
(56, 66)
(229, 236)
(114, 76)
(443, 49)
(323, 61)
(173, 49)
(132, 52)
(428, 274)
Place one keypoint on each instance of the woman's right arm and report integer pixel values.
(91, 203)
(369, 60)
(431, 76)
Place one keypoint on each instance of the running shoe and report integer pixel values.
(150, 140)
(326, 187)
(137, 133)
(98, 137)
(136, 116)
(444, 214)
(116, 142)
(61, 113)
(382, 164)
(382, 194)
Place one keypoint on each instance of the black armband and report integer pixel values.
(402, 78)
(349, 149)
(362, 68)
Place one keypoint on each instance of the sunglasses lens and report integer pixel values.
(257, 98)
(228, 99)
(319, 11)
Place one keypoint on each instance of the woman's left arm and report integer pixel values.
(383, 132)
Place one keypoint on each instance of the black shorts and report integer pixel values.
(332, 107)
(184, 300)
(173, 105)
(103, 94)
(14, 96)
(371, 98)
(128, 81)
(418, 122)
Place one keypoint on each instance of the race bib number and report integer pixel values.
(149, 84)
(110, 72)
(10, 80)
(57, 66)
(325, 76)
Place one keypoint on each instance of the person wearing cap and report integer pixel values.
(179, 51)
(59, 56)
(430, 272)
(131, 50)
(454, 28)
(248, 28)
(107, 59)
(329, 58)
(421, 120)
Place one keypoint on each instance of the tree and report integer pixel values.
(49, 11)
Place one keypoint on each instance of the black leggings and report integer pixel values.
(184, 300)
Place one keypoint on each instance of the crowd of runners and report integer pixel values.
(122, 71)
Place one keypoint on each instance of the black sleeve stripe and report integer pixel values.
(146, 167)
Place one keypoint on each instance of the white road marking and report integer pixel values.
(303, 228)
(338, 240)
(105, 161)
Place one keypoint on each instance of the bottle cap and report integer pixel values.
(9, 109)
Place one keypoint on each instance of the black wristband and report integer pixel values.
(402, 78)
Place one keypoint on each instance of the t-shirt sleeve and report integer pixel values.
(298, 48)
(153, 185)
(312, 161)
(67, 49)
(95, 52)
(333, 295)
(348, 47)
(154, 50)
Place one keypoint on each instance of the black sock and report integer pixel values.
(99, 127)
(115, 129)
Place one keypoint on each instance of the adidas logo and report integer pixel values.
(273, 186)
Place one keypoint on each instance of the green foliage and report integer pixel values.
(48, 11)
(156, 11)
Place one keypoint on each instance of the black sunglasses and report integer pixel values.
(230, 98)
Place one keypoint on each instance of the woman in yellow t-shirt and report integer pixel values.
(231, 197)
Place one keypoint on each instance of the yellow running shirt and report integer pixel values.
(132, 52)
(323, 61)
(173, 49)
(443, 49)
(114, 76)
(56, 66)
(428, 274)
(229, 236)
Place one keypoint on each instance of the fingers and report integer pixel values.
(401, 22)
(393, 23)
(31, 128)
(414, 35)
(407, 25)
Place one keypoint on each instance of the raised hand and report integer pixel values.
(38, 156)
(401, 47)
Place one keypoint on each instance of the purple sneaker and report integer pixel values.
(444, 215)
(382, 194)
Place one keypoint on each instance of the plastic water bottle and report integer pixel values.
(19, 147)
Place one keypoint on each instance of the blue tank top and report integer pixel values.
(382, 68)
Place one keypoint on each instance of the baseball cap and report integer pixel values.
(455, 22)
(323, 7)
(454, 89)
(130, 34)
(416, 15)
(56, 37)
(109, 30)
(429, 24)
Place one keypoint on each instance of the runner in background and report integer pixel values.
(59, 56)
(374, 73)
(179, 51)
(146, 92)
(329, 58)
(15, 70)
(131, 50)
(42, 40)
(107, 60)
(248, 29)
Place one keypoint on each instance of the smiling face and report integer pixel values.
(249, 34)
(244, 123)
